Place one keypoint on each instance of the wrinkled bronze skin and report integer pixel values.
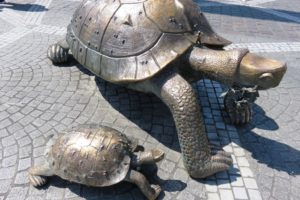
(96, 156)
(161, 47)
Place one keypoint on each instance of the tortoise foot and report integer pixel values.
(156, 191)
(57, 54)
(219, 161)
(37, 181)
(157, 155)
(238, 104)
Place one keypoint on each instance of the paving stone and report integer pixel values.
(196, 188)
(223, 183)
(238, 152)
(17, 193)
(24, 141)
(240, 193)
(226, 194)
(9, 151)
(250, 183)
(254, 194)
(181, 174)
(3, 133)
(8, 141)
(213, 196)
(185, 195)
(4, 186)
(24, 164)
(246, 172)
(21, 178)
(211, 186)
(9, 161)
(236, 180)
(243, 162)
(25, 152)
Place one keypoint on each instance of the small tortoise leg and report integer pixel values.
(150, 191)
(58, 53)
(150, 157)
(37, 175)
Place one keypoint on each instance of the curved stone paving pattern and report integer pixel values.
(38, 99)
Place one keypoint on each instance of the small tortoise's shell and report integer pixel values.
(91, 156)
(131, 40)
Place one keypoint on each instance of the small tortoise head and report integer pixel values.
(258, 71)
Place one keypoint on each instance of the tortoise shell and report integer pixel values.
(131, 40)
(91, 156)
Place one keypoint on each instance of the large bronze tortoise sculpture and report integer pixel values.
(160, 47)
(96, 156)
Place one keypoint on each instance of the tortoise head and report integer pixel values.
(259, 71)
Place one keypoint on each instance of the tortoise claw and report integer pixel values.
(157, 155)
(221, 161)
(37, 181)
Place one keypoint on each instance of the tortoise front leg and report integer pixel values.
(150, 191)
(37, 174)
(179, 96)
(148, 157)
(59, 53)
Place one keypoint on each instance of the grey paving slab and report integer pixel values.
(59, 13)
(6, 26)
(291, 8)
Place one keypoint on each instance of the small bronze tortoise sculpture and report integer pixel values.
(161, 47)
(96, 156)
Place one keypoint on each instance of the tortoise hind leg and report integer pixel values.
(150, 191)
(37, 174)
(58, 53)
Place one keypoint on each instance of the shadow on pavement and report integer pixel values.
(270, 152)
(122, 189)
(245, 11)
(145, 109)
(22, 7)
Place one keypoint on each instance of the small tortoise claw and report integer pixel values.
(157, 155)
(156, 190)
(37, 181)
(238, 104)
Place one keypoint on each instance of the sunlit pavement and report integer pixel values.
(38, 99)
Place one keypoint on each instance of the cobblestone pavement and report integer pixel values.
(38, 99)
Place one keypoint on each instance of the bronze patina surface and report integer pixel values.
(96, 156)
(161, 47)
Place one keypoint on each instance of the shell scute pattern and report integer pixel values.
(97, 157)
(132, 40)
(115, 38)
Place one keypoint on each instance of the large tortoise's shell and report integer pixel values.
(91, 156)
(130, 40)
